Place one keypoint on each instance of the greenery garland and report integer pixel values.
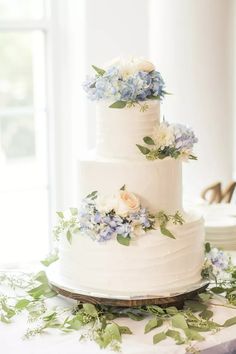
(98, 323)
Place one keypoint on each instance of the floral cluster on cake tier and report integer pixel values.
(169, 140)
(218, 264)
(126, 82)
(120, 216)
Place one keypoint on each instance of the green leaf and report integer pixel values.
(99, 71)
(172, 310)
(230, 322)
(92, 195)
(144, 150)
(74, 211)
(124, 330)
(60, 214)
(153, 323)
(122, 188)
(118, 104)
(195, 306)
(207, 247)
(90, 309)
(206, 314)
(4, 319)
(159, 337)
(135, 317)
(111, 333)
(41, 277)
(179, 321)
(154, 309)
(22, 304)
(50, 316)
(193, 335)
(175, 335)
(204, 297)
(51, 258)
(73, 323)
(217, 290)
(154, 97)
(69, 236)
(125, 241)
(192, 157)
(148, 140)
(38, 291)
(42, 291)
(167, 93)
(166, 232)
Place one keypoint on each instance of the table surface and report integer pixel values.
(54, 341)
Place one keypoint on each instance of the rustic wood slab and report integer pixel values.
(177, 300)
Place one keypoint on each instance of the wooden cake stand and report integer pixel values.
(98, 298)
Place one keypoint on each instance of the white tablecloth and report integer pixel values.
(56, 342)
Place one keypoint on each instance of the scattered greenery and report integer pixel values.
(99, 323)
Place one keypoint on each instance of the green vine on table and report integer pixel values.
(100, 323)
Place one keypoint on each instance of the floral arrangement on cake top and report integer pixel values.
(120, 216)
(169, 140)
(126, 82)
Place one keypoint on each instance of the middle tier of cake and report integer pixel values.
(158, 184)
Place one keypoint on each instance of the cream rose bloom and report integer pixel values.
(163, 135)
(127, 202)
(106, 204)
(131, 65)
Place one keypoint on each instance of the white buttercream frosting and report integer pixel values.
(119, 130)
(158, 184)
(152, 264)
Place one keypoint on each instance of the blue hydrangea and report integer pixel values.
(103, 226)
(219, 259)
(142, 216)
(124, 229)
(106, 233)
(184, 137)
(137, 87)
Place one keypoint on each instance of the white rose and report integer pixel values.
(106, 204)
(127, 202)
(163, 135)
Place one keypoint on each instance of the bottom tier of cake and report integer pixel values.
(152, 264)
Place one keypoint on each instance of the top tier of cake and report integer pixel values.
(119, 130)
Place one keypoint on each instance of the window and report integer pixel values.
(24, 192)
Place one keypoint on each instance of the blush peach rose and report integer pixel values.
(128, 202)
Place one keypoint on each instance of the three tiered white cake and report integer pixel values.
(160, 246)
